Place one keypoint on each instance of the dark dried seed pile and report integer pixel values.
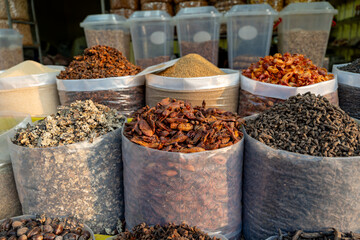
(328, 234)
(168, 231)
(353, 67)
(307, 124)
(43, 228)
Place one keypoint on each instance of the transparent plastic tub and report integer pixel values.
(198, 31)
(11, 52)
(107, 29)
(305, 29)
(249, 30)
(152, 34)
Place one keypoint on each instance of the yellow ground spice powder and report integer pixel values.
(190, 66)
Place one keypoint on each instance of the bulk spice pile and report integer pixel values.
(176, 126)
(327, 234)
(288, 70)
(307, 124)
(353, 67)
(43, 228)
(168, 231)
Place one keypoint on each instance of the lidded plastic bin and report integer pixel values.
(107, 29)
(11, 52)
(198, 31)
(152, 34)
(249, 29)
(305, 29)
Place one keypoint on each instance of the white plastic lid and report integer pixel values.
(198, 12)
(6, 33)
(251, 10)
(100, 19)
(309, 8)
(151, 15)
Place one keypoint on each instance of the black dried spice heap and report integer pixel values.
(307, 124)
(353, 67)
(169, 231)
(99, 62)
(327, 234)
(81, 121)
(43, 228)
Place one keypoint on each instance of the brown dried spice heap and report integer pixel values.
(307, 124)
(81, 121)
(99, 62)
(176, 126)
(167, 232)
(43, 228)
(327, 234)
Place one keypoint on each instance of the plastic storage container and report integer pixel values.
(305, 29)
(276, 4)
(107, 29)
(249, 30)
(152, 34)
(11, 52)
(198, 31)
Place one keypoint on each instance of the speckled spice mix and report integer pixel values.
(99, 62)
(167, 232)
(288, 70)
(176, 126)
(81, 121)
(326, 234)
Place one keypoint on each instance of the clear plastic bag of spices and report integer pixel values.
(11, 52)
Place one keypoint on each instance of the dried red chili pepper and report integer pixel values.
(288, 70)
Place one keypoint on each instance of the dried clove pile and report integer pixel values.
(166, 232)
(81, 121)
(176, 126)
(327, 234)
(99, 62)
(307, 124)
(43, 228)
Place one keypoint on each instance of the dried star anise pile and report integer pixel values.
(288, 70)
(176, 126)
(99, 62)
(166, 232)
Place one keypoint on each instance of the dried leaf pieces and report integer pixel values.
(99, 62)
(81, 121)
(176, 126)
(288, 70)
(167, 232)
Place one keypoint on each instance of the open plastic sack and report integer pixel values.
(220, 91)
(290, 191)
(349, 91)
(201, 189)
(255, 97)
(32, 94)
(9, 200)
(126, 94)
(82, 179)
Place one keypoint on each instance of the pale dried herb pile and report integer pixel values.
(307, 124)
(81, 121)
(167, 232)
(99, 62)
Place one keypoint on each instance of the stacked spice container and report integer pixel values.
(152, 35)
(198, 32)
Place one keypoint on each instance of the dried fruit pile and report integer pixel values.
(353, 67)
(307, 124)
(43, 228)
(99, 62)
(176, 126)
(81, 121)
(288, 70)
(327, 234)
(166, 232)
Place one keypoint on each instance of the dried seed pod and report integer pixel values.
(49, 236)
(59, 228)
(33, 232)
(13, 237)
(17, 224)
(71, 236)
(47, 229)
(22, 231)
(37, 237)
(23, 237)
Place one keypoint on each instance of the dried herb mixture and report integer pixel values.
(289, 70)
(327, 234)
(167, 232)
(307, 124)
(176, 126)
(353, 67)
(99, 62)
(81, 121)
